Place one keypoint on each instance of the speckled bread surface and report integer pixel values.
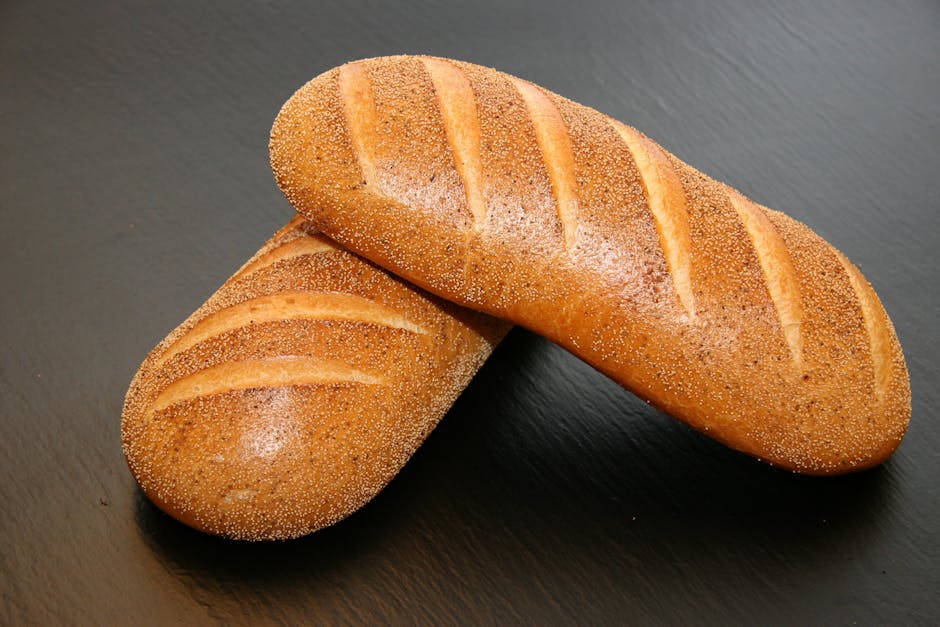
(297, 391)
(502, 196)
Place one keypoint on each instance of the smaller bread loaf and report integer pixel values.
(502, 196)
(297, 391)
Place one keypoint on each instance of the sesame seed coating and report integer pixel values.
(734, 318)
(297, 391)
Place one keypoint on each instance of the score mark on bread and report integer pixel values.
(555, 145)
(457, 104)
(879, 336)
(777, 268)
(666, 200)
(275, 372)
(292, 305)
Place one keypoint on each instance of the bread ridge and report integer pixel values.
(522, 204)
(310, 379)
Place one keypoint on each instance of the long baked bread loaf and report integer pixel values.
(502, 196)
(297, 391)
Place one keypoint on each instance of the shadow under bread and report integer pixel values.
(544, 464)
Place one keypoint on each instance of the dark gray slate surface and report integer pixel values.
(134, 179)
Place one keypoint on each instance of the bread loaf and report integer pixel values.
(297, 391)
(502, 196)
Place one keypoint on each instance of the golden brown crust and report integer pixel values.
(735, 319)
(297, 391)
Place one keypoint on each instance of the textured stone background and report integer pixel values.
(134, 179)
